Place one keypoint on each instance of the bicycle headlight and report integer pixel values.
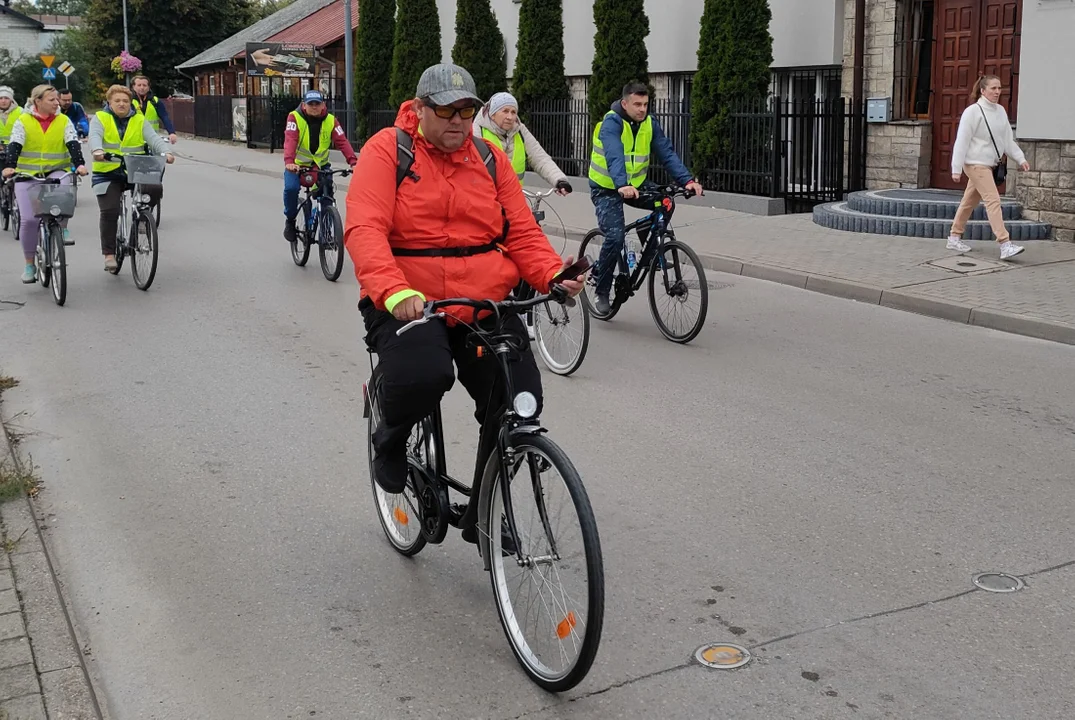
(525, 404)
(54, 211)
(145, 198)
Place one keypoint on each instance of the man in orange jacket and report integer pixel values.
(440, 234)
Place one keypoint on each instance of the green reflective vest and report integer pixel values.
(636, 151)
(44, 151)
(303, 156)
(6, 126)
(518, 155)
(132, 143)
(150, 112)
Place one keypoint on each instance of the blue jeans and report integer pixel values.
(609, 207)
(291, 194)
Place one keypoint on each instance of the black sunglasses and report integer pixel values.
(447, 112)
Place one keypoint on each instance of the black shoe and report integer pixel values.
(507, 546)
(602, 305)
(390, 471)
(290, 233)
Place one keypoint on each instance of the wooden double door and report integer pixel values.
(972, 38)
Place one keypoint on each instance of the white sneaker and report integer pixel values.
(1010, 250)
(956, 243)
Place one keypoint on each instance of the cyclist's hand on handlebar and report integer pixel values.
(628, 192)
(98, 155)
(81, 170)
(408, 309)
(169, 158)
(8, 172)
(291, 167)
(563, 187)
(695, 187)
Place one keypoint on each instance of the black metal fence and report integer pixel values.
(804, 151)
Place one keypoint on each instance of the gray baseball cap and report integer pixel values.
(446, 83)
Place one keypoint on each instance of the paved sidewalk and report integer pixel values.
(41, 672)
(1032, 295)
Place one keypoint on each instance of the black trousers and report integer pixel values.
(109, 205)
(416, 370)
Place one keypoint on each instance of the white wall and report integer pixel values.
(18, 38)
(1046, 102)
(805, 32)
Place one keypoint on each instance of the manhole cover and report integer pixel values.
(965, 264)
(998, 582)
(722, 656)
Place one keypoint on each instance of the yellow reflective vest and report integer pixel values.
(636, 152)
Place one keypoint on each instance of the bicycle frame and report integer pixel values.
(501, 423)
(323, 195)
(659, 224)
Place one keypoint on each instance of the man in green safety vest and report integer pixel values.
(622, 144)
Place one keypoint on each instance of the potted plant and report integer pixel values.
(124, 64)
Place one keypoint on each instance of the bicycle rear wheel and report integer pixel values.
(144, 250)
(58, 265)
(554, 631)
(330, 243)
(157, 214)
(5, 207)
(563, 335)
(678, 292)
(399, 513)
(591, 246)
(300, 249)
(16, 220)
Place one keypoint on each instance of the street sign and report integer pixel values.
(48, 73)
(67, 68)
(47, 59)
(63, 66)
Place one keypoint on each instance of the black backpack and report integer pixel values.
(405, 157)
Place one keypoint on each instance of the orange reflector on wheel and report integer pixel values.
(566, 625)
(401, 516)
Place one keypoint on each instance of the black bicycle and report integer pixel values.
(682, 292)
(136, 231)
(51, 202)
(525, 535)
(9, 209)
(321, 222)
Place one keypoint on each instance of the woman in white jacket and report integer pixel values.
(498, 123)
(984, 135)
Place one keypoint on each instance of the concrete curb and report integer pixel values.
(837, 287)
(53, 681)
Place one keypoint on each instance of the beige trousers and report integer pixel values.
(980, 187)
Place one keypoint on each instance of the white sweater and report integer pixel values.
(973, 145)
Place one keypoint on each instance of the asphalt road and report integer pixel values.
(814, 478)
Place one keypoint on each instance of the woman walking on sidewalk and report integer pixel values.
(984, 137)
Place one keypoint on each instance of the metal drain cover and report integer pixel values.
(998, 582)
(967, 264)
(722, 656)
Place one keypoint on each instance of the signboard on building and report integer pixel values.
(289, 60)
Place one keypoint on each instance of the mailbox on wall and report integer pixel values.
(879, 110)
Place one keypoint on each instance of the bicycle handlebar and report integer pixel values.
(434, 309)
(327, 171)
(539, 195)
(49, 180)
(668, 191)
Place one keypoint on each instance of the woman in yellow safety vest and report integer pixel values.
(43, 144)
(498, 124)
(119, 130)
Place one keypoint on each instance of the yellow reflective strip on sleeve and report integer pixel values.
(397, 298)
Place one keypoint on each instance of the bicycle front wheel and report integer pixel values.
(678, 292)
(144, 250)
(16, 220)
(550, 591)
(563, 335)
(58, 265)
(330, 243)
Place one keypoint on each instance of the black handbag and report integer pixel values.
(1000, 170)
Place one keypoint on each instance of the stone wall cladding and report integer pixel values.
(1047, 192)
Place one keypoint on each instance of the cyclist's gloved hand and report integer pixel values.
(563, 187)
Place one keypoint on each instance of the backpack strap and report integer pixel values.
(405, 157)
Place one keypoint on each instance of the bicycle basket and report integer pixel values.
(144, 169)
(48, 200)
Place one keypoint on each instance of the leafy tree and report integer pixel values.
(539, 65)
(735, 52)
(162, 33)
(73, 45)
(417, 46)
(265, 8)
(620, 54)
(373, 60)
(479, 46)
(50, 7)
(20, 73)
